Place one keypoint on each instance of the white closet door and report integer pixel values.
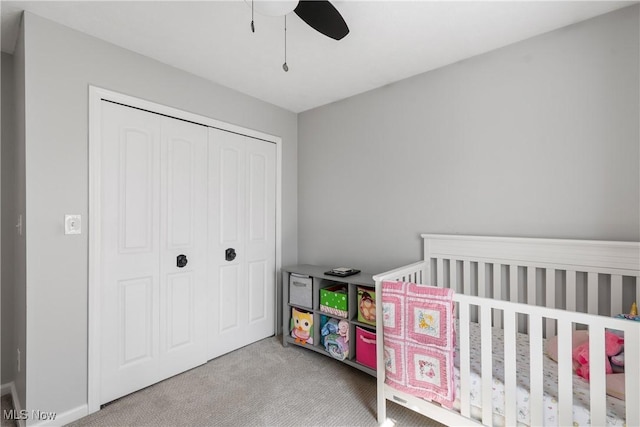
(153, 208)
(242, 221)
(183, 232)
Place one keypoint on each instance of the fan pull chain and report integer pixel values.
(253, 27)
(285, 67)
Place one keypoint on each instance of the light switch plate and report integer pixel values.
(72, 224)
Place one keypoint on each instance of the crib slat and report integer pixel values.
(565, 374)
(536, 374)
(497, 292)
(465, 356)
(616, 294)
(513, 283)
(430, 270)
(514, 289)
(531, 286)
(440, 272)
(592, 292)
(486, 361)
(510, 367)
(571, 291)
(631, 375)
(466, 277)
(453, 275)
(550, 284)
(597, 382)
(482, 279)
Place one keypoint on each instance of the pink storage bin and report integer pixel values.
(366, 347)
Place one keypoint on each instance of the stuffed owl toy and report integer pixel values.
(302, 326)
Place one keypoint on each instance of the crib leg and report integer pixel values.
(382, 403)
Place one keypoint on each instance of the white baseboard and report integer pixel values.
(60, 419)
(64, 418)
(10, 388)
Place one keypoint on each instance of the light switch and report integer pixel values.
(72, 224)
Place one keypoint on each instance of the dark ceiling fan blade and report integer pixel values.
(323, 17)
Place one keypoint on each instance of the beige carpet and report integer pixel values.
(263, 384)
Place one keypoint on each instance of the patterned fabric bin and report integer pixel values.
(367, 305)
(334, 301)
(301, 326)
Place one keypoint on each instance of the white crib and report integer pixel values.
(541, 287)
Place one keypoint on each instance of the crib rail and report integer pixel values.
(572, 290)
(539, 286)
(596, 277)
(535, 316)
(415, 273)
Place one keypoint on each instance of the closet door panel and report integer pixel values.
(229, 190)
(183, 234)
(259, 287)
(136, 189)
(261, 195)
(136, 320)
(229, 300)
(153, 177)
(227, 287)
(181, 319)
(180, 192)
(242, 219)
(130, 221)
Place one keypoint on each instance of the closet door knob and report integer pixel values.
(230, 254)
(181, 261)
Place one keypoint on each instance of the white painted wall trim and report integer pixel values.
(64, 418)
(10, 388)
(96, 96)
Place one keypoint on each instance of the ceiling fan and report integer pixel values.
(320, 15)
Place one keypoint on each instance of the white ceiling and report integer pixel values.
(389, 40)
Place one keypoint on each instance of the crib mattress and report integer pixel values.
(581, 417)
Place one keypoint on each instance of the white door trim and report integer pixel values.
(96, 96)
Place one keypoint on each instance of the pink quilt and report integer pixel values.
(419, 340)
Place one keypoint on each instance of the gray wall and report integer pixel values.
(538, 139)
(60, 64)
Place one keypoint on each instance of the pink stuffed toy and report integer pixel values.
(613, 345)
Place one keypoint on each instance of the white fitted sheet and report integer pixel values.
(581, 417)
